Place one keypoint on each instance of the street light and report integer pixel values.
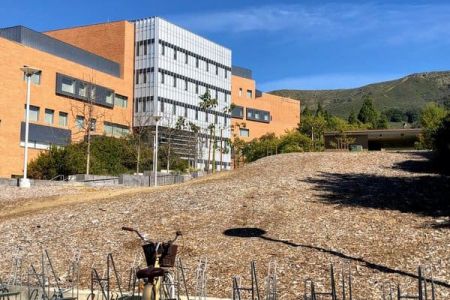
(28, 72)
(155, 149)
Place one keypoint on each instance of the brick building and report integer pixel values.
(58, 92)
(256, 113)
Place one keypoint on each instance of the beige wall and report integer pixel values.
(13, 91)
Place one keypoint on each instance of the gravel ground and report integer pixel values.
(374, 213)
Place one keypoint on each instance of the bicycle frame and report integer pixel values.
(152, 289)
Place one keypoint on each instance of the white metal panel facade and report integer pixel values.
(173, 68)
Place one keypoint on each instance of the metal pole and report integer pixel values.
(25, 182)
(156, 153)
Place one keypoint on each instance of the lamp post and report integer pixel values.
(28, 72)
(155, 149)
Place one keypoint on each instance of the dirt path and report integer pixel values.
(79, 194)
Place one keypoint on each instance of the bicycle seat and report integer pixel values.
(150, 273)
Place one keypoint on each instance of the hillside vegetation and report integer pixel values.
(409, 93)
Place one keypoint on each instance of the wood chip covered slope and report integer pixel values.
(315, 209)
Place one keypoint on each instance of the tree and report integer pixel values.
(140, 137)
(382, 122)
(306, 111)
(368, 114)
(207, 103)
(86, 116)
(193, 141)
(320, 111)
(314, 127)
(352, 117)
(431, 119)
(441, 144)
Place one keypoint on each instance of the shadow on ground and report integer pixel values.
(260, 233)
(422, 195)
(420, 162)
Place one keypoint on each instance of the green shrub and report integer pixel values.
(441, 145)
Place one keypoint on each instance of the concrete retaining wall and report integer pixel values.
(34, 182)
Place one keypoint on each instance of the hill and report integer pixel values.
(373, 211)
(408, 93)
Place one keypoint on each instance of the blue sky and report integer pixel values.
(288, 44)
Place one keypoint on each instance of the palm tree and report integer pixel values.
(207, 103)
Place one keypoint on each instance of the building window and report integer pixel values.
(258, 115)
(109, 98)
(226, 73)
(34, 113)
(174, 109)
(237, 112)
(185, 112)
(117, 130)
(162, 106)
(207, 66)
(63, 121)
(79, 122)
(174, 82)
(82, 90)
(185, 85)
(143, 104)
(206, 116)
(68, 85)
(216, 119)
(163, 49)
(162, 78)
(49, 115)
(35, 78)
(196, 88)
(196, 114)
(196, 62)
(120, 101)
(240, 92)
(186, 60)
(249, 94)
(244, 132)
(217, 70)
(175, 54)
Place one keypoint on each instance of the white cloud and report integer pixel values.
(391, 23)
(326, 81)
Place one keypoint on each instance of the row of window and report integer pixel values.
(49, 116)
(85, 91)
(146, 75)
(144, 104)
(252, 114)
(63, 121)
(249, 93)
(146, 47)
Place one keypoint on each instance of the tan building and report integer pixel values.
(256, 113)
(59, 92)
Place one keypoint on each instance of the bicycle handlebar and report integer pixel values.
(177, 234)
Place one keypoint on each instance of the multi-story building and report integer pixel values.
(255, 113)
(143, 72)
(59, 92)
(173, 69)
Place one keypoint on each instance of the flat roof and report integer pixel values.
(242, 72)
(45, 43)
(378, 131)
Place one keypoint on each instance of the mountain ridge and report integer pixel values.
(408, 93)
